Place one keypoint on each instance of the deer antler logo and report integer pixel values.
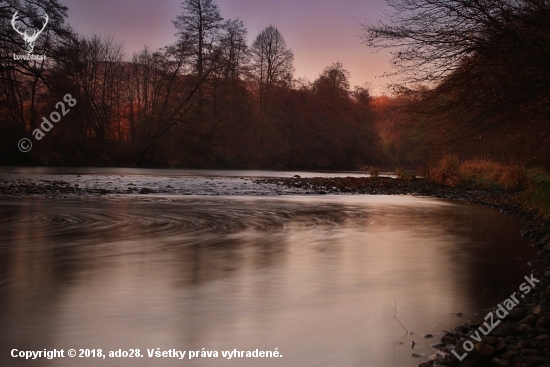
(29, 40)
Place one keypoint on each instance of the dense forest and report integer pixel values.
(209, 100)
(473, 77)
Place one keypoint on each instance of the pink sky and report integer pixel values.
(320, 32)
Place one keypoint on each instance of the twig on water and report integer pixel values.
(395, 317)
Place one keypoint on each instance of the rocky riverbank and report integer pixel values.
(89, 185)
(522, 338)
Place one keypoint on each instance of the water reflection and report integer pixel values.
(317, 278)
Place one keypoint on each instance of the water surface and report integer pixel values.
(319, 278)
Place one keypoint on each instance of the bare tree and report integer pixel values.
(199, 30)
(431, 38)
(271, 66)
(478, 68)
(98, 66)
(24, 80)
(272, 63)
(235, 51)
(160, 98)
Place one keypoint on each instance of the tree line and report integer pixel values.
(208, 100)
(475, 74)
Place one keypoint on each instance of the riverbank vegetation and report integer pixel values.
(474, 76)
(477, 173)
(210, 100)
(472, 93)
(471, 85)
(528, 185)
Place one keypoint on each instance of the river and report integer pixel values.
(221, 263)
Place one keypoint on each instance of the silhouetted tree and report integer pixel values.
(235, 51)
(206, 101)
(272, 63)
(160, 97)
(199, 31)
(333, 83)
(271, 68)
(485, 64)
(97, 69)
(24, 79)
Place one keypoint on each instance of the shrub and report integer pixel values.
(446, 171)
(487, 174)
(477, 173)
(374, 171)
(513, 177)
(401, 174)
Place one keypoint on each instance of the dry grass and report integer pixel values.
(488, 174)
(479, 173)
(446, 171)
(402, 175)
(532, 185)
(374, 171)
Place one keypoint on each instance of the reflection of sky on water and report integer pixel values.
(316, 277)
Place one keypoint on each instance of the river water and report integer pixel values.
(237, 265)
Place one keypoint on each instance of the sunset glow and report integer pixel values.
(319, 32)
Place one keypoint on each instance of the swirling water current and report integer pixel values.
(320, 278)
